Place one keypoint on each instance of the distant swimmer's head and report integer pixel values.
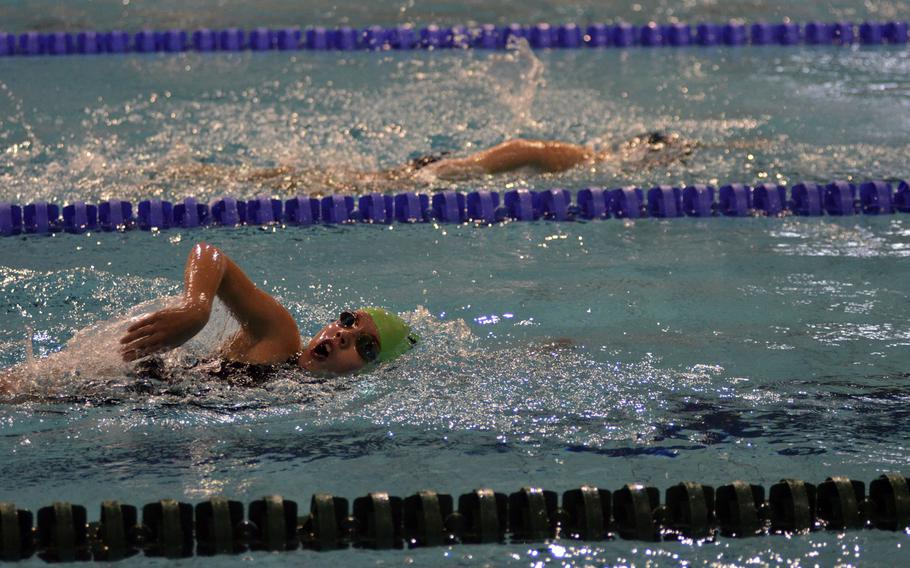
(356, 340)
(425, 160)
(654, 140)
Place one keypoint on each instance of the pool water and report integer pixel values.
(553, 354)
(131, 127)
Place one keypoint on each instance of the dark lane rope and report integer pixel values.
(218, 526)
(405, 37)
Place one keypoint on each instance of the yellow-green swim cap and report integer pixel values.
(395, 335)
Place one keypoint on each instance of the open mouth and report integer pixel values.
(323, 349)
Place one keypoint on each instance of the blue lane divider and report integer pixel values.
(10, 218)
(877, 198)
(39, 218)
(838, 198)
(228, 212)
(301, 211)
(189, 214)
(376, 208)
(155, 213)
(484, 206)
(114, 213)
(770, 198)
(698, 200)
(522, 205)
(337, 209)
(79, 217)
(807, 199)
(556, 204)
(405, 37)
(627, 203)
(411, 207)
(593, 204)
(665, 201)
(449, 206)
(263, 211)
(735, 200)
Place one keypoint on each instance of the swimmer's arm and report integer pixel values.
(268, 332)
(545, 155)
(7, 382)
(217, 172)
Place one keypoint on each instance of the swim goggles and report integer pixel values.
(366, 345)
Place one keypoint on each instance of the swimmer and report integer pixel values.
(533, 156)
(553, 156)
(268, 337)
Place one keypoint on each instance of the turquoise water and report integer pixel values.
(709, 350)
(554, 354)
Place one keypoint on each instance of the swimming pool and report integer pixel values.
(556, 354)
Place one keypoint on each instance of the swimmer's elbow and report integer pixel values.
(203, 249)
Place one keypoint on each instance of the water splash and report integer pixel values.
(205, 125)
(29, 350)
(514, 78)
(28, 147)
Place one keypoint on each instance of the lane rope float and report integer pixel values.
(839, 198)
(690, 510)
(407, 37)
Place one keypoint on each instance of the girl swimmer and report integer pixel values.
(268, 337)
(535, 156)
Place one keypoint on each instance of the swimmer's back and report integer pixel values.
(235, 373)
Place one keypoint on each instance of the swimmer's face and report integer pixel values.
(344, 346)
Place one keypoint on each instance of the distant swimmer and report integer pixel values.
(648, 150)
(553, 156)
(268, 338)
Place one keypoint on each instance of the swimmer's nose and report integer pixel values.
(343, 337)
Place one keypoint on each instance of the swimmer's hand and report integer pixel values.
(162, 331)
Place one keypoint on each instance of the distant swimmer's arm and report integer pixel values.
(268, 333)
(548, 156)
(7, 382)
